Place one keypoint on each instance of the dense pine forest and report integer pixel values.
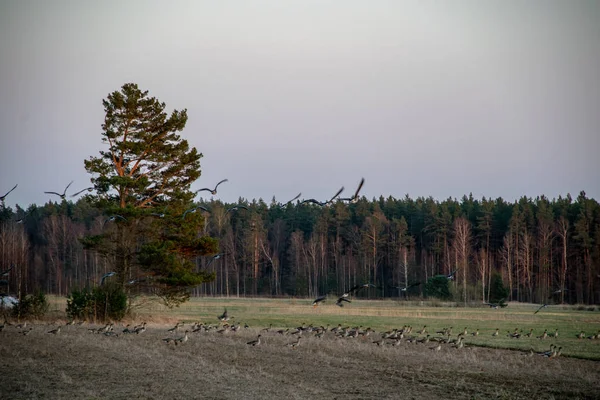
(545, 251)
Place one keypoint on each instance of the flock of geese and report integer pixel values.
(444, 337)
(213, 191)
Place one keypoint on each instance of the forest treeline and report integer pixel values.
(546, 251)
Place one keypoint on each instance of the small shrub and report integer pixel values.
(31, 306)
(438, 287)
(100, 303)
(592, 308)
(498, 292)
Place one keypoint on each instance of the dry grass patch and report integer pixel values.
(79, 364)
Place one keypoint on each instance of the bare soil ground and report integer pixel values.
(76, 364)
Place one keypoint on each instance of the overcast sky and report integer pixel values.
(498, 98)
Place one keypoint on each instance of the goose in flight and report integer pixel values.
(405, 288)
(450, 276)
(64, 193)
(194, 209)
(161, 214)
(340, 301)
(212, 191)
(556, 292)
(4, 197)
(326, 203)
(499, 304)
(107, 275)
(354, 199)
(89, 189)
(113, 218)
(542, 306)
(224, 317)
(319, 300)
(235, 208)
(356, 289)
(22, 219)
(215, 257)
(5, 272)
(294, 199)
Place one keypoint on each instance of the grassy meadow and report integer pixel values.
(79, 362)
(388, 314)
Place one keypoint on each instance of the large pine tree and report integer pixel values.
(142, 181)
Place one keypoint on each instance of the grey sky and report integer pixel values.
(497, 98)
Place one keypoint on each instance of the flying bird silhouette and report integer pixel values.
(237, 207)
(215, 257)
(405, 288)
(326, 203)
(107, 275)
(4, 197)
(294, 199)
(224, 316)
(64, 193)
(212, 191)
(319, 300)
(542, 306)
(114, 218)
(161, 214)
(194, 209)
(354, 199)
(559, 291)
(340, 301)
(5, 272)
(89, 189)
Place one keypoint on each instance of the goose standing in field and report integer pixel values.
(530, 333)
(64, 193)
(7, 193)
(437, 348)
(182, 339)
(354, 199)
(294, 344)
(176, 327)
(581, 335)
(496, 332)
(212, 191)
(140, 329)
(543, 335)
(547, 353)
(254, 342)
(55, 331)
